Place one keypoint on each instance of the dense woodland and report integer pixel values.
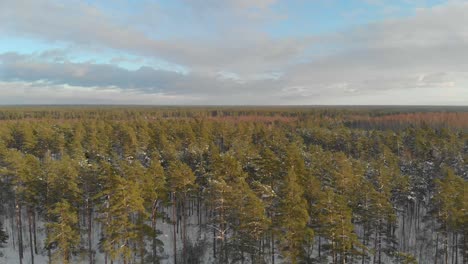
(233, 185)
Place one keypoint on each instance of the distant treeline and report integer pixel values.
(457, 120)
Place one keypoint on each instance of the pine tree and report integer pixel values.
(30, 193)
(218, 192)
(251, 221)
(180, 182)
(156, 193)
(450, 203)
(90, 185)
(15, 163)
(122, 201)
(63, 231)
(389, 186)
(335, 219)
(292, 219)
(151, 183)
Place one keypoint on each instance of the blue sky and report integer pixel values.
(233, 52)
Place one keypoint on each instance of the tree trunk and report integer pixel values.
(436, 248)
(272, 248)
(174, 227)
(34, 231)
(453, 248)
(446, 246)
(403, 240)
(90, 233)
(30, 235)
(214, 242)
(380, 243)
(343, 259)
(19, 224)
(363, 256)
(320, 247)
(375, 246)
(153, 227)
(184, 232)
(334, 253)
(465, 248)
(456, 248)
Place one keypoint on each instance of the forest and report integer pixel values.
(85, 184)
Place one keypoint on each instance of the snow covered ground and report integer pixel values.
(415, 238)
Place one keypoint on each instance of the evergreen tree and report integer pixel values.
(63, 232)
(335, 218)
(122, 201)
(154, 184)
(450, 203)
(292, 219)
(180, 182)
(251, 223)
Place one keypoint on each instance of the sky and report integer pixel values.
(234, 52)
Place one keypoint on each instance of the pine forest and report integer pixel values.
(222, 185)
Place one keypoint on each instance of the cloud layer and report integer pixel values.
(420, 59)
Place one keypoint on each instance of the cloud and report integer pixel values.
(237, 4)
(146, 80)
(19, 92)
(427, 51)
(87, 26)
(239, 63)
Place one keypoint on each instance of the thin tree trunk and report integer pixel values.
(335, 260)
(141, 239)
(456, 248)
(375, 246)
(320, 247)
(90, 233)
(153, 227)
(272, 248)
(403, 233)
(363, 256)
(34, 231)
(19, 224)
(12, 225)
(214, 243)
(174, 227)
(107, 225)
(380, 243)
(446, 245)
(343, 259)
(436, 248)
(66, 257)
(465, 248)
(184, 232)
(30, 235)
(453, 250)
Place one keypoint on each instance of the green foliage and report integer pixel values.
(335, 218)
(180, 178)
(255, 182)
(122, 200)
(292, 219)
(63, 231)
(451, 201)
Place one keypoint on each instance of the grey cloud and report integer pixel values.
(15, 67)
(238, 4)
(239, 50)
(426, 52)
